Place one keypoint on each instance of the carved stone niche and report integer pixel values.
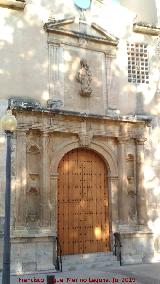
(33, 185)
(33, 206)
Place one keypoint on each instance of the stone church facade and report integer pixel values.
(85, 153)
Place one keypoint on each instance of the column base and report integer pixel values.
(33, 253)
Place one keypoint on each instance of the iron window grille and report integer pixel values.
(138, 63)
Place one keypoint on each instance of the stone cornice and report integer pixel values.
(58, 27)
(87, 116)
(81, 35)
(104, 32)
(12, 4)
(100, 126)
(146, 29)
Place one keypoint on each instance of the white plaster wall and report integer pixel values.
(24, 48)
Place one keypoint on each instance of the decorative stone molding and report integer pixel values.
(32, 145)
(58, 27)
(122, 139)
(141, 140)
(12, 4)
(105, 33)
(54, 176)
(146, 28)
(24, 102)
(54, 104)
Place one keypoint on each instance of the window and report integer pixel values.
(138, 65)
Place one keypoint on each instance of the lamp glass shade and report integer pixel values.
(9, 122)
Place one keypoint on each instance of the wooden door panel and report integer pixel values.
(83, 215)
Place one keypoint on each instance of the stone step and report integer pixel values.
(90, 257)
(89, 261)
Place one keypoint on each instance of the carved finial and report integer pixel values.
(84, 77)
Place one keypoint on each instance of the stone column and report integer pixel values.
(141, 198)
(21, 179)
(113, 198)
(45, 189)
(53, 185)
(123, 193)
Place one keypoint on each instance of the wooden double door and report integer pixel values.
(83, 213)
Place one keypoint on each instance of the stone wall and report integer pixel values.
(46, 64)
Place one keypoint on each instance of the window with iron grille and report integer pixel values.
(138, 64)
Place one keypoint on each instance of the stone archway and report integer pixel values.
(109, 158)
(83, 203)
(103, 150)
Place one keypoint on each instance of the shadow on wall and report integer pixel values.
(149, 14)
(24, 54)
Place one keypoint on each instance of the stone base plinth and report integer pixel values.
(32, 254)
(137, 247)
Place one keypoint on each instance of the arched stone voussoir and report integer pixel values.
(103, 150)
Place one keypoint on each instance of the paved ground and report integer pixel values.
(138, 274)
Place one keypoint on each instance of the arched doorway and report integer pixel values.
(83, 210)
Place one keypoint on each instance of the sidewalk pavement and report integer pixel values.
(138, 274)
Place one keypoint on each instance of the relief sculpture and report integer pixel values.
(84, 77)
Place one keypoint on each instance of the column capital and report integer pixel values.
(140, 140)
(44, 132)
(21, 132)
(122, 139)
(113, 178)
(54, 176)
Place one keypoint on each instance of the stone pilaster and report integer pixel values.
(141, 198)
(45, 190)
(109, 78)
(53, 185)
(56, 76)
(123, 194)
(113, 202)
(21, 179)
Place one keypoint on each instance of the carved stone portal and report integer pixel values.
(84, 77)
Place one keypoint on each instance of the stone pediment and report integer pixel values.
(81, 29)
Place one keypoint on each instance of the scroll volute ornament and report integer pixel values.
(84, 77)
